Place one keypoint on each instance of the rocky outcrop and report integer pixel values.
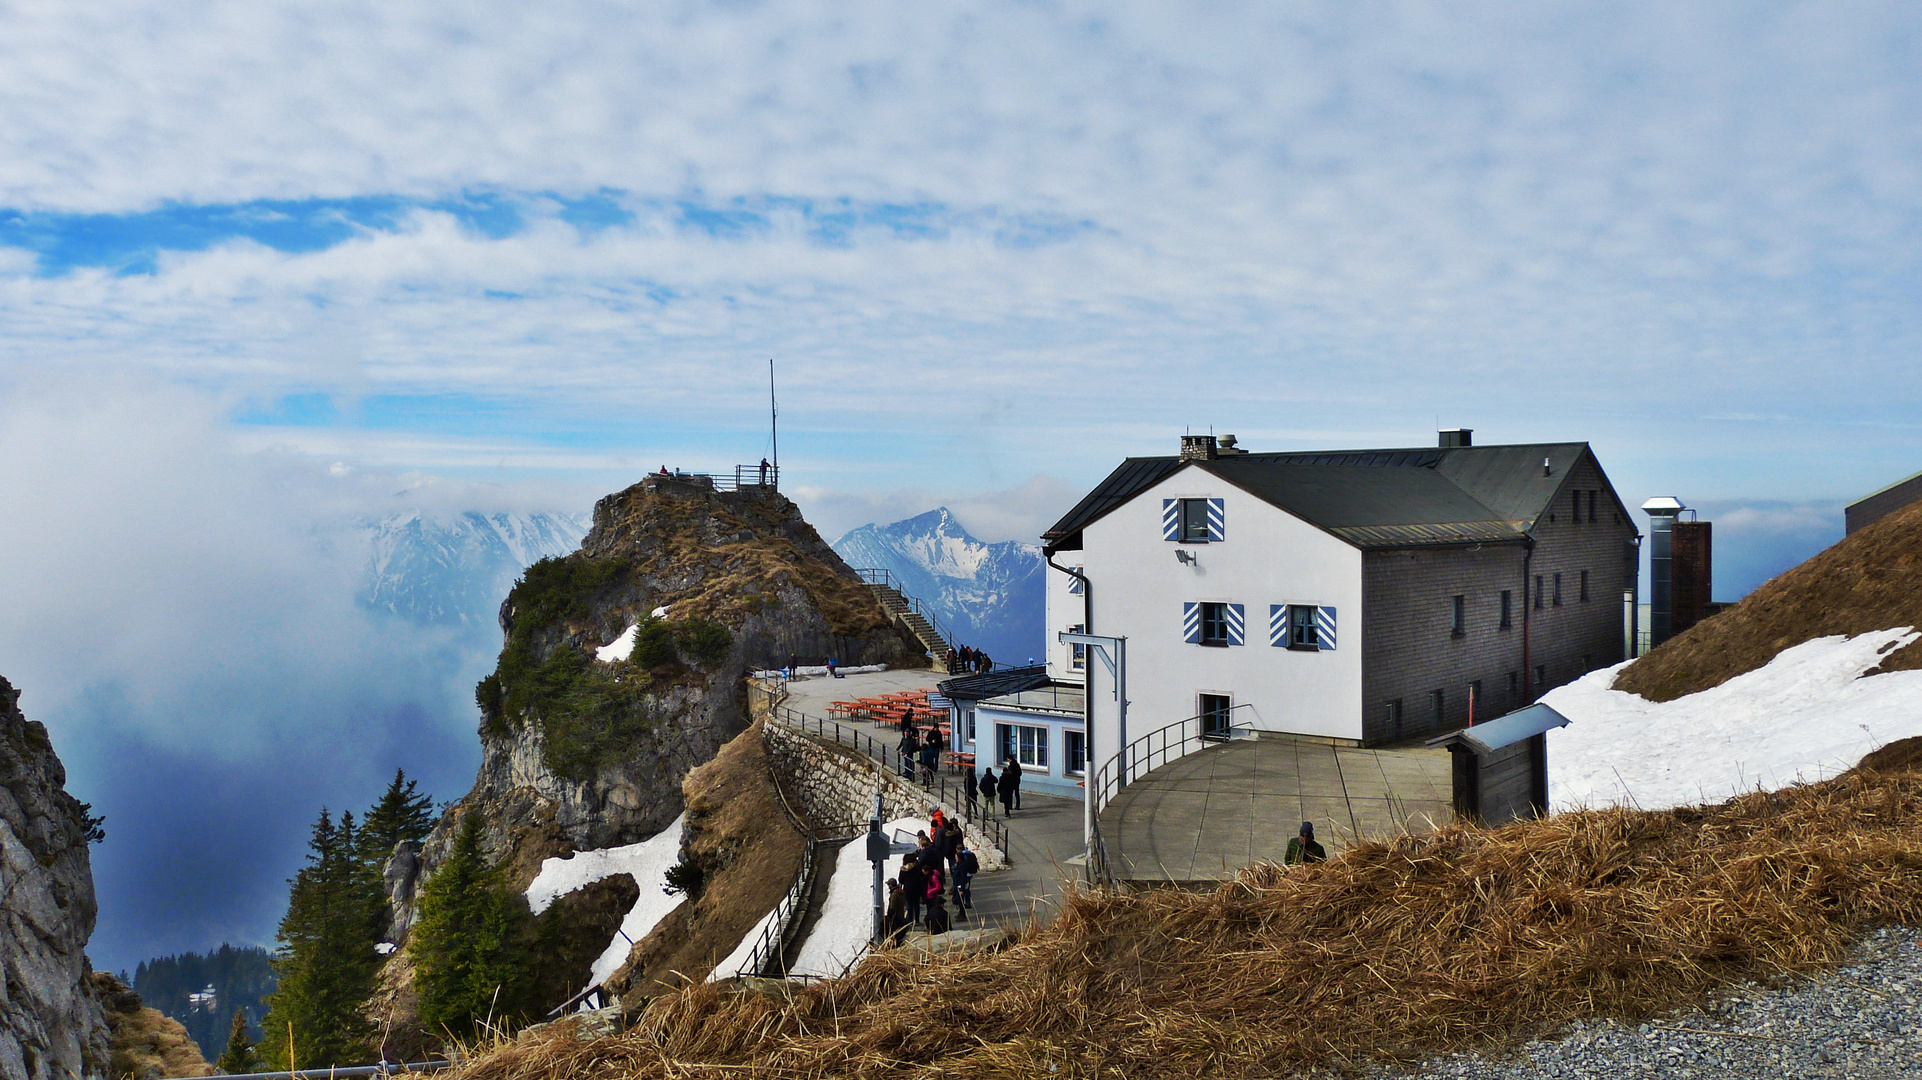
(580, 753)
(145, 1041)
(51, 1023)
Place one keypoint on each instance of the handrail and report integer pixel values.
(884, 578)
(384, 1069)
(1108, 781)
(890, 759)
(744, 478)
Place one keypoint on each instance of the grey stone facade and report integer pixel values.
(1410, 647)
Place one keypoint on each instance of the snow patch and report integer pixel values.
(737, 961)
(841, 935)
(660, 612)
(820, 670)
(646, 862)
(620, 648)
(1807, 715)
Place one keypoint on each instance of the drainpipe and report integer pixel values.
(1088, 758)
(1528, 604)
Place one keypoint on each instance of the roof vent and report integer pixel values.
(1452, 437)
(1197, 448)
(1227, 446)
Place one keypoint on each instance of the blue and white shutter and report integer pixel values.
(1217, 523)
(1191, 623)
(1075, 584)
(1171, 519)
(1325, 629)
(1237, 625)
(1278, 625)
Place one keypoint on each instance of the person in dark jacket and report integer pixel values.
(894, 923)
(1303, 849)
(930, 756)
(950, 844)
(1011, 784)
(909, 745)
(988, 783)
(966, 865)
(914, 883)
(971, 787)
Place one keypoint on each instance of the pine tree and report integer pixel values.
(402, 813)
(326, 962)
(469, 943)
(240, 1055)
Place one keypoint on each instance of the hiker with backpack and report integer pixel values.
(966, 865)
(894, 923)
(936, 918)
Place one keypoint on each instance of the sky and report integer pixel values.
(266, 268)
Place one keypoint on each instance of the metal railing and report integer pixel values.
(387, 1068)
(1159, 747)
(944, 789)
(883, 577)
(744, 478)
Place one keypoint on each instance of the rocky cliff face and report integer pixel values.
(582, 752)
(51, 1024)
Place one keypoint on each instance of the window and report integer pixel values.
(1538, 592)
(1214, 624)
(1514, 687)
(1558, 589)
(1194, 521)
(1437, 704)
(1459, 626)
(1031, 746)
(1216, 712)
(1301, 626)
(1577, 518)
(1394, 719)
(1077, 652)
(1586, 665)
(1584, 586)
(1541, 677)
(1591, 506)
(1508, 605)
(1075, 758)
(1075, 584)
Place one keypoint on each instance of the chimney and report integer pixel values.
(1197, 448)
(1226, 446)
(1453, 437)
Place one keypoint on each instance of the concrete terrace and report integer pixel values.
(1210, 814)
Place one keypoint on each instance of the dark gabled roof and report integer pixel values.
(1370, 498)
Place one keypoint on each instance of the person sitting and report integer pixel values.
(1303, 849)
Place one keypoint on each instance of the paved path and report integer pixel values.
(1219, 809)
(1043, 835)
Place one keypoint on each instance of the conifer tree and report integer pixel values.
(240, 1055)
(468, 944)
(402, 813)
(326, 962)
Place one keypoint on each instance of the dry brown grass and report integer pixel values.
(736, 830)
(147, 1041)
(1467, 937)
(1869, 581)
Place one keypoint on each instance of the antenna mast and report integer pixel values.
(774, 422)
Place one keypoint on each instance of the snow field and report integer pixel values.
(620, 648)
(646, 862)
(841, 935)
(1806, 716)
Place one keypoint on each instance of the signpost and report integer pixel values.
(880, 849)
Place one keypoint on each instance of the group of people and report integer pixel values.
(922, 750)
(988, 787)
(941, 868)
(968, 658)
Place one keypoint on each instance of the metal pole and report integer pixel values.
(774, 423)
(877, 844)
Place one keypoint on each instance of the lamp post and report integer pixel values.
(1113, 652)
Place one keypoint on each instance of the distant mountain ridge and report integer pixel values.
(990, 596)
(455, 570)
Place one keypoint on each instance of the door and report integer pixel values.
(1215, 713)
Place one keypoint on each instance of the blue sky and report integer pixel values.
(300, 263)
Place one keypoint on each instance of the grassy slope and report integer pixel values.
(1869, 581)
(1395, 950)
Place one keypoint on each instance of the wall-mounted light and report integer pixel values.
(1185, 557)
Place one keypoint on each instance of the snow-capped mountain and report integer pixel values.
(456, 570)
(990, 596)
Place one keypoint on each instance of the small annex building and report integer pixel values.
(1025, 714)
(1367, 596)
(1500, 768)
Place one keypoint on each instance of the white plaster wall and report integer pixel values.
(1267, 556)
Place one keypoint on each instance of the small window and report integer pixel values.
(1032, 746)
(1587, 665)
(1458, 625)
(1558, 589)
(1541, 677)
(1194, 521)
(1508, 609)
(1075, 751)
(1438, 704)
(1216, 713)
(1514, 687)
(1301, 627)
(1577, 516)
(1584, 586)
(1214, 624)
(1394, 719)
(1591, 506)
(1538, 592)
(1077, 652)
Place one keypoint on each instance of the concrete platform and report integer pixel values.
(1210, 814)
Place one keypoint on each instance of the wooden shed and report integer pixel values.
(1501, 767)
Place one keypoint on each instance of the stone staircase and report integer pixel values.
(902, 610)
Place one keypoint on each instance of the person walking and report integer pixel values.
(951, 841)
(971, 789)
(914, 885)
(930, 756)
(966, 865)
(1303, 849)
(1011, 784)
(908, 747)
(987, 789)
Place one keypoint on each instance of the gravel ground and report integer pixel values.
(1860, 1021)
